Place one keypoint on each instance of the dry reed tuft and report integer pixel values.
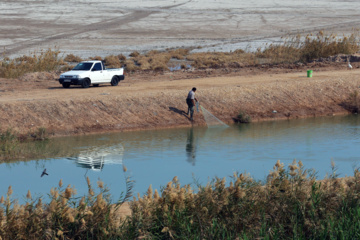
(64, 217)
(292, 50)
(39, 62)
(290, 204)
(72, 58)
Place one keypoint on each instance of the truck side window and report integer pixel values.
(97, 67)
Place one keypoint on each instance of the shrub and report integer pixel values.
(72, 58)
(352, 103)
(179, 53)
(44, 61)
(242, 117)
(121, 57)
(112, 61)
(134, 54)
(98, 58)
(322, 45)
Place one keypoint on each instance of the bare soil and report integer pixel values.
(157, 100)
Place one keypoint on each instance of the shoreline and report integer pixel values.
(159, 101)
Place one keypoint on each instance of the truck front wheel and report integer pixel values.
(114, 81)
(86, 83)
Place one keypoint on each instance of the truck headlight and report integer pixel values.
(62, 76)
(76, 76)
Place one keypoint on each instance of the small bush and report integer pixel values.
(134, 54)
(352, 103)
(130, 66)
(98, 58)
(121, 57)
(112, 61)
(323, 45)
(41, 134)
(180, 53)
(39, 62)
(242, 117)
(72, 58)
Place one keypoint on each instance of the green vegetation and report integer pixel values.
(243, 117)
(290, 204)
(291, 50)
(14, 145)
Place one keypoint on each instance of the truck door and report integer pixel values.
(97, 73)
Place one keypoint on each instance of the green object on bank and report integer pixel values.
(309, 73)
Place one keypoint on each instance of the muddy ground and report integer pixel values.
(103, 27)
(157, 100)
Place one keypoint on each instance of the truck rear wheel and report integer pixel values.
(86, 83)
(66, 85)
(114, 81)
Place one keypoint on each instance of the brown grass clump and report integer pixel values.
(44, 61)
(72, 58)
(134, 54)
(112, 61)
(352, 103)
(64, 217)
(179, 54)
(234, 59)
(153, 60)
(291, 204)
(323, 45)
(98, 58)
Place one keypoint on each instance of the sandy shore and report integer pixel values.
(158, 101)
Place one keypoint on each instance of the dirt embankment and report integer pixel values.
(150, 101)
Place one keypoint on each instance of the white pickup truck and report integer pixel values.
(91, 73)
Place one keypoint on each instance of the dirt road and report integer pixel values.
(158, 101)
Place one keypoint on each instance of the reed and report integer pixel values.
(291, 50)
(72, 58)
(290, 204)
(65, 216)
(352, 103)
(38, 62)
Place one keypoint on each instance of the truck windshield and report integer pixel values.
(83, 66)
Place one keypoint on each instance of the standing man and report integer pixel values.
(190, 100)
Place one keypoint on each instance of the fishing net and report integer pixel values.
(210, 119)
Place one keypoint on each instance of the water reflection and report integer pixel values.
(95, 158)
(191, 147)
(155, 157)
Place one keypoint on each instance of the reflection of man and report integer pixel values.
(191, 147)
(190, 100)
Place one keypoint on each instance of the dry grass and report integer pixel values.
(291, 204)
(64, 217)
(39, 62)
(352, 103)
(323, 45)
(291, 50)
(72, 58)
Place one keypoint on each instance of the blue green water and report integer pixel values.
(155, 157)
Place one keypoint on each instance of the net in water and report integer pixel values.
(211, 120)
